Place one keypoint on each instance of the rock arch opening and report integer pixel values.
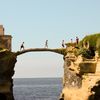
(39, 65)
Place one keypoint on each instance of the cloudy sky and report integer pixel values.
(34, 21)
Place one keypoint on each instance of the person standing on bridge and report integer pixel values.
(63, 45)
(22, 46)
(46, 44)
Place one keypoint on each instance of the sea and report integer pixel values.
(37, 88)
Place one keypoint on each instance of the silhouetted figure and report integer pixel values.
(63, 45)
(77, 40)
(22, 46)
(46, 44)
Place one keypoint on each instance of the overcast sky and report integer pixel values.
(34, 21)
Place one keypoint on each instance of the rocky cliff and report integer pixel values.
(7, 64)
(80, 77)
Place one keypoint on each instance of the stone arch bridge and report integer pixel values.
(7, 64)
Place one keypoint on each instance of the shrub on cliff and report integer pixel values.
(84, 52)
(93, 40)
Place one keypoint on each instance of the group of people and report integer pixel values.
(77, 40)
(46, 43)
(22, 45)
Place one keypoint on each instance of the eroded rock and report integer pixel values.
(7, 63)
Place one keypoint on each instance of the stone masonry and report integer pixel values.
(5, 40)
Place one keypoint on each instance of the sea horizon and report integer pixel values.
(40, 88)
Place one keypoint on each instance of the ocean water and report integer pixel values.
(37, 88)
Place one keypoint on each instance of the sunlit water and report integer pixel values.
(37, 88)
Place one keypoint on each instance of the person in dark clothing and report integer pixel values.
(22, 46)
(63, 44)
(77, 40)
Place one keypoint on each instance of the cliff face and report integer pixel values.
(7, 63)
(80, 77)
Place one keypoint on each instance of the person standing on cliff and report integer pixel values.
(77, 40)
(22, 46)
(46, 44)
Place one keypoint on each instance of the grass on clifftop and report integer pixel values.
(94, 41)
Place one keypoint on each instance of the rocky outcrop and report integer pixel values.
(7, 64)
(80, 77)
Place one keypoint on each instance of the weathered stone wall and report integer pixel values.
(5, 40)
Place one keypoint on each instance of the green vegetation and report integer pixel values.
(92, 39)
(94, 44)
(84, 52)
